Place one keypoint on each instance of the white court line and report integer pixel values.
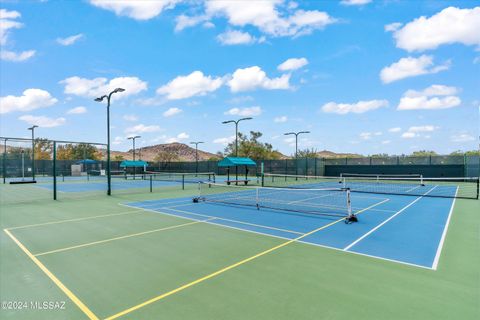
(444, 234)
(285, 238)
(411, 189)
(387, 220)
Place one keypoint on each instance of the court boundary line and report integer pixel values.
(220, 271)
(71, 220)
(436, 260)
(116, 238)
(52, 277)
(386, 220)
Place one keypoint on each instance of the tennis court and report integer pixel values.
(138, 256)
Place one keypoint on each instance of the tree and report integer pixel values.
(78, 152)
(43, 149)
(307, 153)
(423, 153)
(118, 157)
(252, 148)
(165, 156)
(466, 153)
(379, 155)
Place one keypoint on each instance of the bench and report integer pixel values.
(237, 181)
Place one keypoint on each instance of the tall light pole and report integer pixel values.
(100, 99)
(133, 139)
(33, 150)
(236, 138)
(4, 160)
(296, 134)
(196, 143)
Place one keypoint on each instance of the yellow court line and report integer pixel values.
(218, 272)
(72, 220)
(59, 284)
(119, 238)
(230, 220)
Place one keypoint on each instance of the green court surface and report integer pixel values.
(108, 261)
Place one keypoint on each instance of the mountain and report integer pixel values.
(166, 152)
(331, 154)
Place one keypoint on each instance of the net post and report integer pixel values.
(263, 179)
(421, 180)
(257, 198)
(183, 181)
(478, 187)
(54, 169)
(151, 184)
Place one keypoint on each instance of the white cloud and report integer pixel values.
(280, 119)
(183, 21)
(178, 138)
(30, 100)
(68, 41)
(235, 37)
(431, 98)
(393, 26)
(194, 84)
(136, 9)
(359, 107)
(77, 110)
(369, 135)
(224, 141)
(245, 112)
(172, 111)
(268, 18)
(6, 23)
(451, 25)
(130, 117)
(411, 67)
(16, 56)
(396, 129)
(355, 2)
(118, 140)
(293, 64)
(141, 128)
(98, 87)
(254, 77)
(462, 137)
(416, 131)
(43, 122)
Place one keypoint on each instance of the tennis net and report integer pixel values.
(179, 176)
(334, 202)
(463, 187)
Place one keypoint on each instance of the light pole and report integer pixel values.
(4, 160)
(236, 138)
(134, 165)
(296, 147)
(196, 143)
(33, 150)
(100, 99)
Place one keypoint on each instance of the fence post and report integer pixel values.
(54, 169)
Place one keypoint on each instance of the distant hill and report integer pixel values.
(169, 151)
(331, 154)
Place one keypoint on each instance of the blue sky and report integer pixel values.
(364, 76)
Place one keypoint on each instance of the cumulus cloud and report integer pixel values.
(355, 2)
(224, 141)
(130, 117)
(462, 137)
(172, 111)
(393, 26)
(178, 138)
(68, 41)
(98, 87)
(77, 110)
(280, 119)
(136, 9)
(31, 99)
(236, 37)
(43, 121)
(416, 131)
(293, 64)
(451, 25)
(268, 17)
(194, 84)
(396, 129)
(184, 21)
(253, 78)
(245, 112)
(359, 107)
(411, 67)
(8, 22)
(141, 128)
(431, 98)
(16, 56)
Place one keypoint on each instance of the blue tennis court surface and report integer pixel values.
(403, 229)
